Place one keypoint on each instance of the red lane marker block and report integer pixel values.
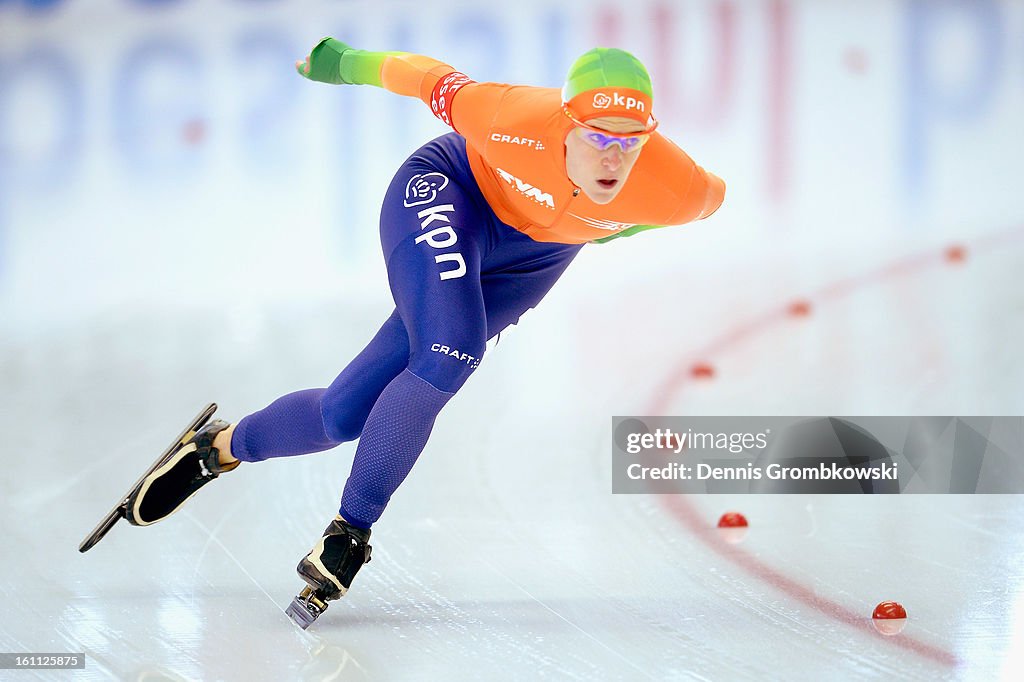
(194, 131)
(956, 254)
(889, 618)
(855, 60)
(702, 370)
(732, 520)
(799, 308)
(732, 527)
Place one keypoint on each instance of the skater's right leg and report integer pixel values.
(335, 560)
(397, 430)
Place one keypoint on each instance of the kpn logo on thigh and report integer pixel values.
(423, 190)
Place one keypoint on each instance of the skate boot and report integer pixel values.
(170, 485)
(329, 569)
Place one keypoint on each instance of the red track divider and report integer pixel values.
(684, 511)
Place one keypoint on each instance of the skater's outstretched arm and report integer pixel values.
(332, 61)
(413, 75)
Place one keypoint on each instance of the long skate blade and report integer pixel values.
(102, 529)
(112, 517)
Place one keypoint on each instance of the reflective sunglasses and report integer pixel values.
(602, 139)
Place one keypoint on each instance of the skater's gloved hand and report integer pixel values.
(324, 62)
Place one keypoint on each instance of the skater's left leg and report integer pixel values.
(296, 423)
(318, 419)
(447, 328)
(195, 463)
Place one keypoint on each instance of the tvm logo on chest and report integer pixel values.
(526, 189)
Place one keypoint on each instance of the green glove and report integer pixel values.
(628, 232)
(332, 61)
(324, 62)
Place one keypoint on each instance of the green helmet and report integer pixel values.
(606, 81)
(606, 67)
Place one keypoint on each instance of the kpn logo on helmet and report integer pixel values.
(605, 100)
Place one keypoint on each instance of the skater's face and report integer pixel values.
(601, 173)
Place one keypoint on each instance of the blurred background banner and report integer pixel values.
(156, 151)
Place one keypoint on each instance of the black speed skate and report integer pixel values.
(328, 570)
(188, 463)
(178, 478)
